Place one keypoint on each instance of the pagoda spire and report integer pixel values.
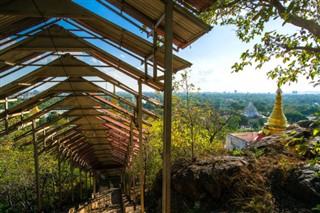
(277, 121)
(34, 110)
(250, 111)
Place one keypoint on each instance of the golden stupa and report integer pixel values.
(34, 110)
(277, 121)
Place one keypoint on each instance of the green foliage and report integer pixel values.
(303, 145)
(4, 208)
(203, 119)
(17, 178)
(316, 146)
(17, 172)
(250, 192)
(317, 208)
(259, 152)
(196, 208)
(298, 51)
(196, 125)
(244, 120)
(316, 152)
(153, 151)
(237, 152)
(294, 116)
(256, 153)
(197, 130)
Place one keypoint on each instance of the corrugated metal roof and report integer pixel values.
(97, 132)
(11, 25)
(92, 124)
(186, 27)
(95, 23)
(196, 5)
(72, 67)
(48, 9)
(130, 41)
(65, 41)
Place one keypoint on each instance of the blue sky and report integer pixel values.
(212, 56)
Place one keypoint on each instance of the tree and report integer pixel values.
(215, 123)
(187, 107)
(196, 124)
(294, 116)
(299, 51)
(153, 152)
(17, 175)
(244, 120)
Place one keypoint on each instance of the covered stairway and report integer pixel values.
(72, 53)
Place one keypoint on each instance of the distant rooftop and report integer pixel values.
(239, 140)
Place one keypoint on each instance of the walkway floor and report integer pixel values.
(108, 200)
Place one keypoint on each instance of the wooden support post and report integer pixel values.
(21, 116)
(123, 181)
(91, 181)
(94, 184)
(86, 184)
(5, 102)
(71, 182)
(128, 181)
(125, 178)
(36, 165)
(145, 68)
(60, 179)
(80, 184)
(132, 167)
(141, 155)
(53, 190)
(129, 162)
(6, 121)
(166, 181)
(127, 184)
(155, 41)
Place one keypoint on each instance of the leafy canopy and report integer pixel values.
(299, 51)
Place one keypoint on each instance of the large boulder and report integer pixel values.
(304, 184)
(206, 178)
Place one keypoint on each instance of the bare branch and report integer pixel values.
(231, 4)
(312, 26)
(310, 49)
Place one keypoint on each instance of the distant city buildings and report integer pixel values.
(239, 140)
(276, 123)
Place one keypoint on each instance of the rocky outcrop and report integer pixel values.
(207, 182)
(304, 184)
(232, 184)
(278, 180)
(277, 143)
(206, 178)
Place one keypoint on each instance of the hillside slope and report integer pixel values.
(275, 174)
